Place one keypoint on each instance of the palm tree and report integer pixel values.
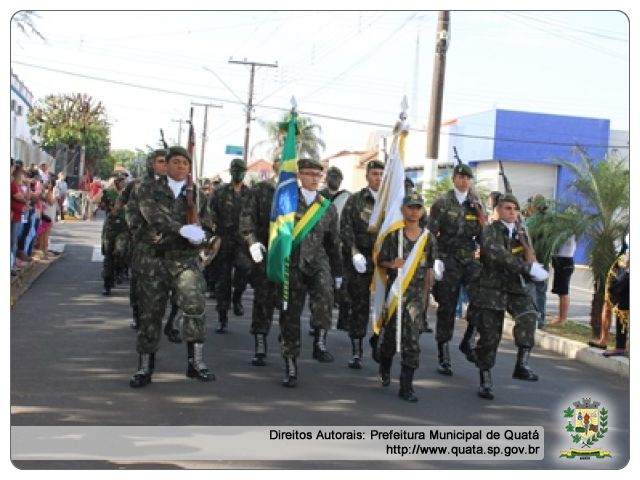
(309, 142)
(601, 219)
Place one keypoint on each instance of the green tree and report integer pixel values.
(309, 141)
(25, 23)
(72, 119)
(601, 218)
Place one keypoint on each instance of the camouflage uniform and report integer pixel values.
(254, 227)
(313, 266)
(356, 238)
(225, 205)
(412, 302)
(168, 262)
(114, 239)
(457, 228)
(500, 287)
(133, 224)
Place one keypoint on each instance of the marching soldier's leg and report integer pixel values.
(320, 288)
(489, 325)
(446, 293)
(108, 275)
(242, 269)
(468, 339)
(290, 327)
(223, 289)
(262, 313)
(170, 330)
(525, 317)
(411, 323)
(387, 349)
(188, 289)
(133, 289)
(153, 289)
(358, 286)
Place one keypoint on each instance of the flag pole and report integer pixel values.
(401, 126)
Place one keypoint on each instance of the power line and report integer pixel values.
(313, 114)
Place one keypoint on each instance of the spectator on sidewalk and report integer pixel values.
(563, 268)
(48, 217)
(536, 210)
(95, 197)
(61, 192)
(18, 206)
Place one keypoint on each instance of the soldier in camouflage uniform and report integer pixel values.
(357, 248)
(255, 219)
(338, 197)
(169, 262)
(315, 266)
(225, 204)
(413, 303)
(455, 221)
(211, 273)
(114, 235)
(506, 264)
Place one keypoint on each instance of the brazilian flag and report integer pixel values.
(283, 210)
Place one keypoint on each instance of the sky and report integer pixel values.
(148, 67)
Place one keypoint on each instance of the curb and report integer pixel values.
(576, 350)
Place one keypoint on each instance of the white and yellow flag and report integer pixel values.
(387, 217)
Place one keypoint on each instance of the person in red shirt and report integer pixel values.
(18, 202)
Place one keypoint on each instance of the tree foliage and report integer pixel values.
(24, 21)
(600, 217)
(308, 139)
(72, 119)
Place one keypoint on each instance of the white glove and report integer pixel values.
(359, 263)
(438, 269)
(193, 233)
(338, 282)
(257, 251)
(537, 272)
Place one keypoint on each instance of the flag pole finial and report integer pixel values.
(402, 125)
(294, 103)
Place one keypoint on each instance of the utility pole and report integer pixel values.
(437, 90)
(250, 101)
(180, 121)
(204, 130)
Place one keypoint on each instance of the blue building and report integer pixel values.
(529, 146)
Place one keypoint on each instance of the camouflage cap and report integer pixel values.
(216, 180)
(414, 198)
(309, 163)
(509, 197)
(334, 172)
(375, 164)
(237, 164)
(178, 150)
(463, 169)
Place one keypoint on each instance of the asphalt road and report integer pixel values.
(72, 353)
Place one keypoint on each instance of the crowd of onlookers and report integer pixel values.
(37, 200)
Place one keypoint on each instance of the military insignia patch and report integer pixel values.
(586, 424)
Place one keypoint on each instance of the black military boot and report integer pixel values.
(406, 384)
(172, 333)
(258, 359)
(290, 372)
(196, 368)
(320, 351)
(384, 371)
(522, 370)
(106, 291)
(146, 364)
(222, 322)
(375, 353)
(356, 349)
(466, 345)
(444, 360)
(486, 384)
(238, 309)
(135, 321)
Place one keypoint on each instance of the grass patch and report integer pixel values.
(575, 331)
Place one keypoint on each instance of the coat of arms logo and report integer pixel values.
(587, 424)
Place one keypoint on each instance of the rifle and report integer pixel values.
(523, 233)
(473, 197)
(164, 142)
